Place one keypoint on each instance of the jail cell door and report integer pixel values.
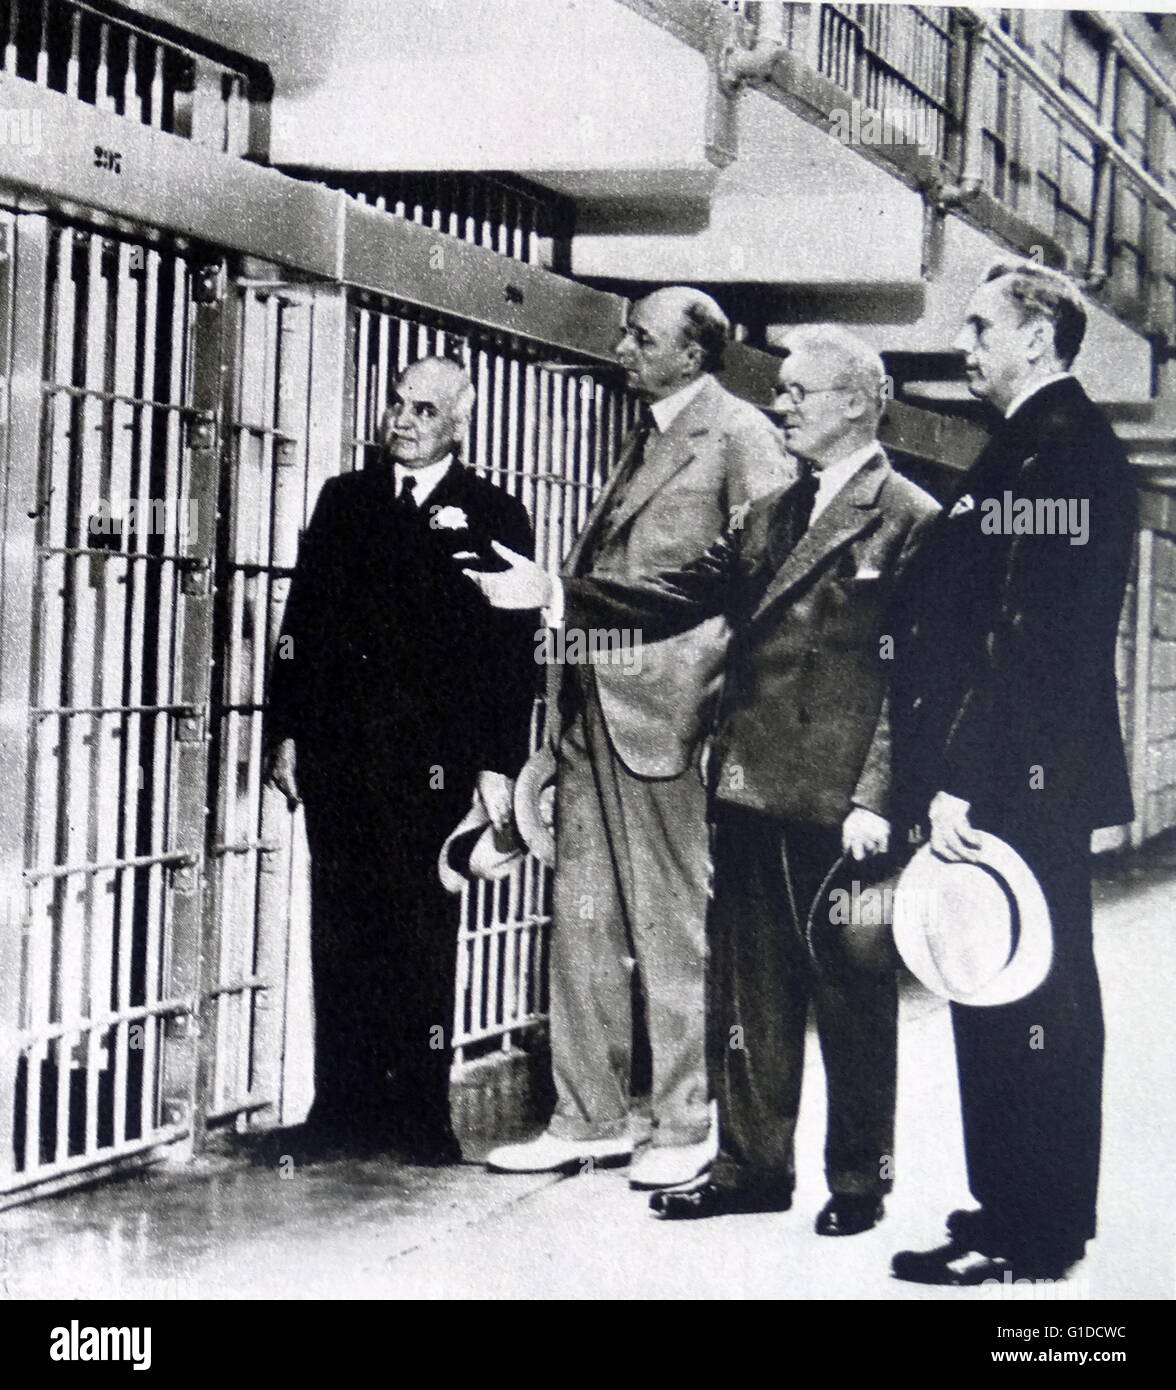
(102, 1065)
(257, 1063)
(545, 432)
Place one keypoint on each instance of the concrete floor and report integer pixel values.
(220, 1230)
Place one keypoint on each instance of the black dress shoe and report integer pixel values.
(849, 1215)
(969, 1227)
(688, 1204)
(974, 1229)
(955, 1265)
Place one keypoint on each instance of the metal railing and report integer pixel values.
(1055, 127)
(119, 65)
(892, 59)
(1090, 170)
(524, 222)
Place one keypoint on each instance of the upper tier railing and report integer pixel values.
(1057, 129)
(110, 58)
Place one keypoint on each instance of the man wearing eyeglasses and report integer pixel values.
(800, 775)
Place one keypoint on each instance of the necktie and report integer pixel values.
(793, 514)
(406, 497)
(804, 500)
(646, 425)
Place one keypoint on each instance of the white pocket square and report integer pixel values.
(868, 572)
(967, 503)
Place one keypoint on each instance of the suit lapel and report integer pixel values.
(849, 513)
(668, 453)
(1013, 441)
(665, 455)
(451, 489)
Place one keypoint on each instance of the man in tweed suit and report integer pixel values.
(631, 854)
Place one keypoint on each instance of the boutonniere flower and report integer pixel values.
(967, 503)
(448, 519)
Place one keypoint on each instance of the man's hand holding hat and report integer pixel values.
(865, 833)
(953, 837)
(497, 792)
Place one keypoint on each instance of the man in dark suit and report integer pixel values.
(393, 693)
(801, 773)
(1006, 720)
(631, 855)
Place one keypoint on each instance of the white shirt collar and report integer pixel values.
(426, 478)
(1019, 400)
(667, 410)
(834, 476)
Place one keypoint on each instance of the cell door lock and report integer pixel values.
(196, 579)
(201, 430)
(208, 282)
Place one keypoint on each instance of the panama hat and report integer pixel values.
(849, 921)
(974, 932)
(474, 849)
(534, 804)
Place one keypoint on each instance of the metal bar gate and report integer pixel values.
(98, 1039)
(178, 377)
(171, 422)
(545, 434)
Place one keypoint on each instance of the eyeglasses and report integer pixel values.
(797, 393)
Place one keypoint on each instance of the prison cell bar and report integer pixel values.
(22, 317)
(271, 956)
(74, 996)
(143, 77)
(414, 335)
(239, 930)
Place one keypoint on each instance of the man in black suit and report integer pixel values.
(393, 693)
(800, 767)
(1005, 719)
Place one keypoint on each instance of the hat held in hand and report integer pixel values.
(534, 804)
(974, 932)
(849, 921)
(475, 849)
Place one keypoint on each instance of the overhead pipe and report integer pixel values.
(1097, 268)
(968, 185)
(739, 66)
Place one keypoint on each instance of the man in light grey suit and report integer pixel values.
(801, 776)
(631, 836)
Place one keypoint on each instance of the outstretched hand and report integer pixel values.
(523, 585)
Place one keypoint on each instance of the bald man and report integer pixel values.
(393, 692)
(631, 871)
